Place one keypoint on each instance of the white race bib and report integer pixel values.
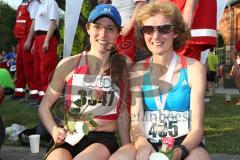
(159, 124)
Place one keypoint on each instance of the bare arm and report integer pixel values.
(234, 57)
(197, 80)
(52, 94)
(123, 119)
(46, 117)
(51, 29)
(131, 22)
(28, 42)
(144, 149)
(188, 11)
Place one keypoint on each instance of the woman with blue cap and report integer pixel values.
(96, 79)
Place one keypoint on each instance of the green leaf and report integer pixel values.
(71, 125)
(85, 128)
(75, 111)
(89, 116)
(93, 123)
(78, 103)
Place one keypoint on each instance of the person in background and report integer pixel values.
(6, 82)
(2, 55)
(220, 74)
(23, 32)
(127, 9)
(97, 77)
(203, 30)
(235, 73)
(212, 64)
(45, 44)
(3, 60)
(11, 60)
(167, 87)
(8, 60)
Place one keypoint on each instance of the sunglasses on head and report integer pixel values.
(163, 29)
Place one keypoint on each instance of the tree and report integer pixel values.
(7, 20)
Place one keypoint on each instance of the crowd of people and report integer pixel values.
(140, 77)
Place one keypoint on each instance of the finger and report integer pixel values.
(61, 130)
(59, 141)
(61, 138)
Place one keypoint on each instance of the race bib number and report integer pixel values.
(159, 124)
(96, 93)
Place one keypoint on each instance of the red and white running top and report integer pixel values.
(97, 93)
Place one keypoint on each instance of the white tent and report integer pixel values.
(72, 13)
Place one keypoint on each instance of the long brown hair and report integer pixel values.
(118, 67)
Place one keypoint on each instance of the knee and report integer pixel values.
(198, 154)
(126, 152)
(60, 154)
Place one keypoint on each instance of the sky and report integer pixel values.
(13, 3)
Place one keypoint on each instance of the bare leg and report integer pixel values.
(60, 154)
(126, 152)
(198, 154)
(95, 151)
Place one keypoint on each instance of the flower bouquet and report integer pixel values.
(166, 150)
(77, 121)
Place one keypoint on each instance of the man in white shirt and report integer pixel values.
(45, 43)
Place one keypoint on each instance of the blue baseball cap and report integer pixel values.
(105, 10)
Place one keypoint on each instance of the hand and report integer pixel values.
(177, 153)
(45, 46)
(27, 45)
(58, 135)
(144, 151)
(188, 16)
(188, 20)
(126, 29)
(236, 66)
(32, 50)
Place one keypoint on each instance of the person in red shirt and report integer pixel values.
(23, 32)
(235, 73)
(203, 30)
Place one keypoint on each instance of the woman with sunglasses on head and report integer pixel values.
(97, 78)
(166, 87)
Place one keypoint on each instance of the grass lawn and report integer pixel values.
(18, 112)
(222, 129)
